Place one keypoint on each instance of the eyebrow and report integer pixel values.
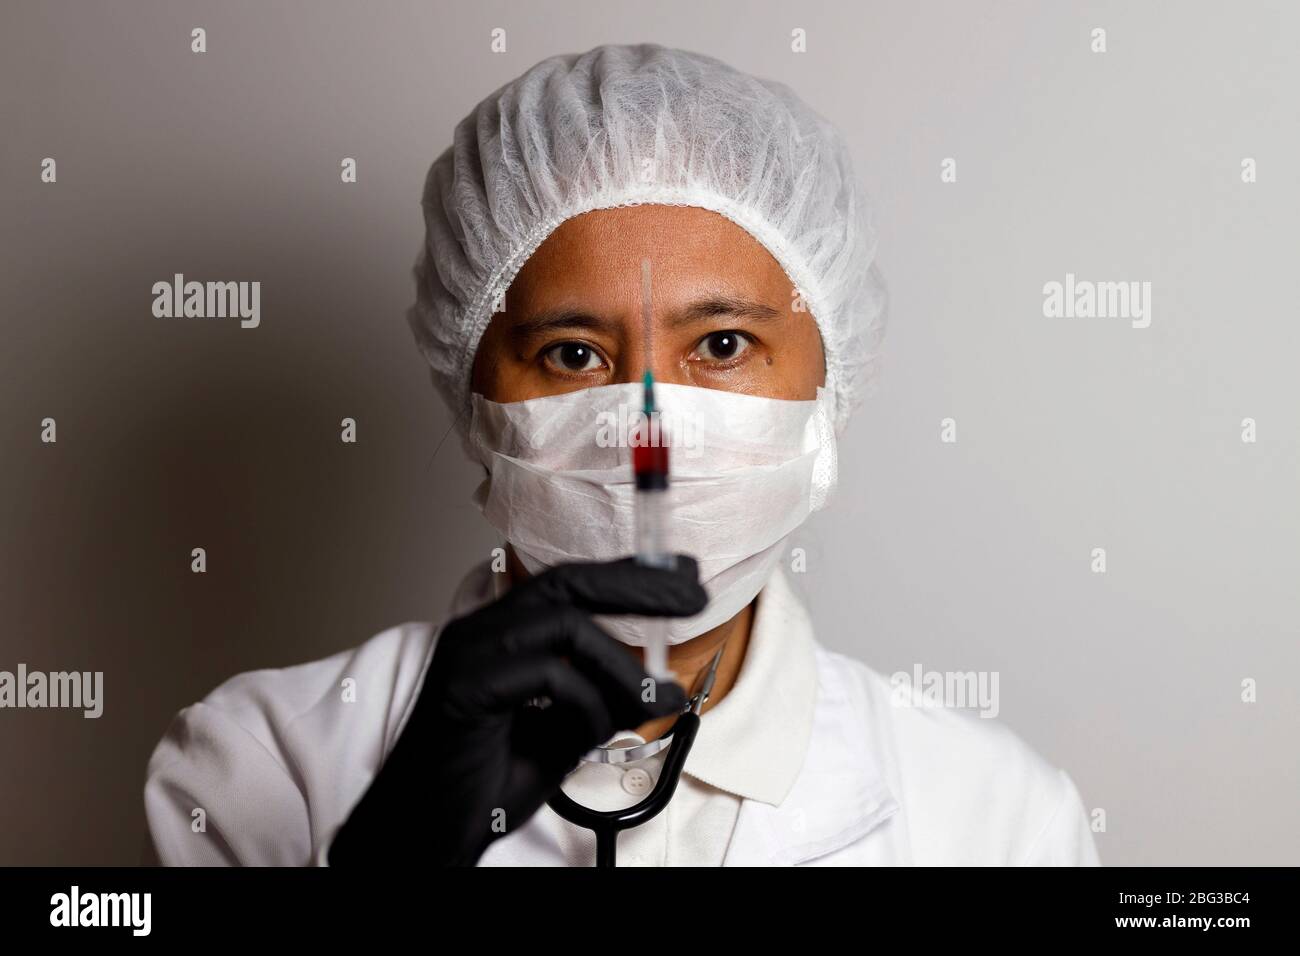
(723, 305)
(707, 308)
(543, 322)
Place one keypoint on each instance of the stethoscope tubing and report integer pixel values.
(608, 824)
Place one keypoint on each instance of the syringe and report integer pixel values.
(650, 465)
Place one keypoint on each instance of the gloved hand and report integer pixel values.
(474, 757)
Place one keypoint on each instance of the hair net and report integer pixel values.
(626, 125)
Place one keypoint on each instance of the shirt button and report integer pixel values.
(637, 782)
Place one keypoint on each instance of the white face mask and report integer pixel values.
(744, 473)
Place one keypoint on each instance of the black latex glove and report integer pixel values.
(474, 749)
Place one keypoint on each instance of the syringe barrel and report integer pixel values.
(652, 516)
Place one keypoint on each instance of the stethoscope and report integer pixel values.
(607, 824)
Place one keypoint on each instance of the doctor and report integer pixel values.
(428, 741)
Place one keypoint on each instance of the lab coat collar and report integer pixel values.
(840, 795)
(754, 741)
(814, 783)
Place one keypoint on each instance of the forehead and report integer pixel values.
(597, 256)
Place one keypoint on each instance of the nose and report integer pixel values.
(660, 354)
(656, 359)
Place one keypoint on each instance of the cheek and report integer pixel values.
(509, 382)
(481, 377)
(816, 360)
(798, 366)
(498, 372)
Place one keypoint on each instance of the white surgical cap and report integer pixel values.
(624, 125)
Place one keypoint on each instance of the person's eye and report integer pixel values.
(573, 357)
(725, 346)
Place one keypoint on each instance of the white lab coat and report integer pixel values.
(272, 762)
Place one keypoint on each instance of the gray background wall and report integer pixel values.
(1072, 434)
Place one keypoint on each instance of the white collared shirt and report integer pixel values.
(809, 759)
